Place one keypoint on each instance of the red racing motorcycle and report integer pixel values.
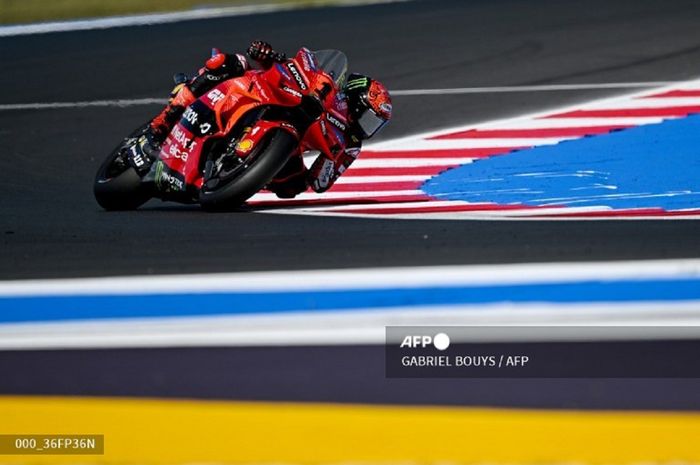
(233, 140)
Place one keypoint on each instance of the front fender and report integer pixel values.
(252, 137)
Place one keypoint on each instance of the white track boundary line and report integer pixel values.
(474, 216)
(121, 103)
(174, 17)
(359, 278)
(409, 92)
(532, 88)
(638, 321)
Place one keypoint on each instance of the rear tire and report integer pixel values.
(119, 187)
(269, 159)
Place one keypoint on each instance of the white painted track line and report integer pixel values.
(120, 103)
(346, 196)
(408, 162)
(649, 103)
(381, 179)
(409, 92)
(454, 144)
(173, 17)
(536, 88)
(654, 320)
(359, 278)
(552, 123)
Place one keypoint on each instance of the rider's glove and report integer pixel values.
(260, 51)
(325, 170)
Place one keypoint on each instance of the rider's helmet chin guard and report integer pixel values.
(370, 104)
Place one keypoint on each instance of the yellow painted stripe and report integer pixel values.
(174, 432)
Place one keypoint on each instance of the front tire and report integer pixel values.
(266, 161)
(117, 185)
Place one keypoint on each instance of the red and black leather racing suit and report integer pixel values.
(294, 177)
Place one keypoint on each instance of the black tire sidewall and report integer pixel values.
(267, 164)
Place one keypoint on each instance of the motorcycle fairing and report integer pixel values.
(214, 115)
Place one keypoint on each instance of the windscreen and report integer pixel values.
(334, 63)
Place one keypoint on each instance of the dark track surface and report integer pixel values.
(50, 225)
(314, 374)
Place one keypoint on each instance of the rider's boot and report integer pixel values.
(180, 97)
(291, 180)
(148, 145)
(217, 69)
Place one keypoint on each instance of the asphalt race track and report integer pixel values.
(50, 225)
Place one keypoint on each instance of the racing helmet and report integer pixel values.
(369, 104)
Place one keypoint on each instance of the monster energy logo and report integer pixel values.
(159, 173)
(358, 83)
(166, 181)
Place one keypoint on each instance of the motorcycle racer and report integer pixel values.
(364, 102)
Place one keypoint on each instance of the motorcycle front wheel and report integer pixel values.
(229, 188)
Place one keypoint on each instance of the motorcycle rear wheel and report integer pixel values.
(264, 163)
(117, 185)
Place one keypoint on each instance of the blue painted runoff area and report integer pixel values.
(77, 307)
(652, 166)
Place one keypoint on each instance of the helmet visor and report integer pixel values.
(370, 123)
